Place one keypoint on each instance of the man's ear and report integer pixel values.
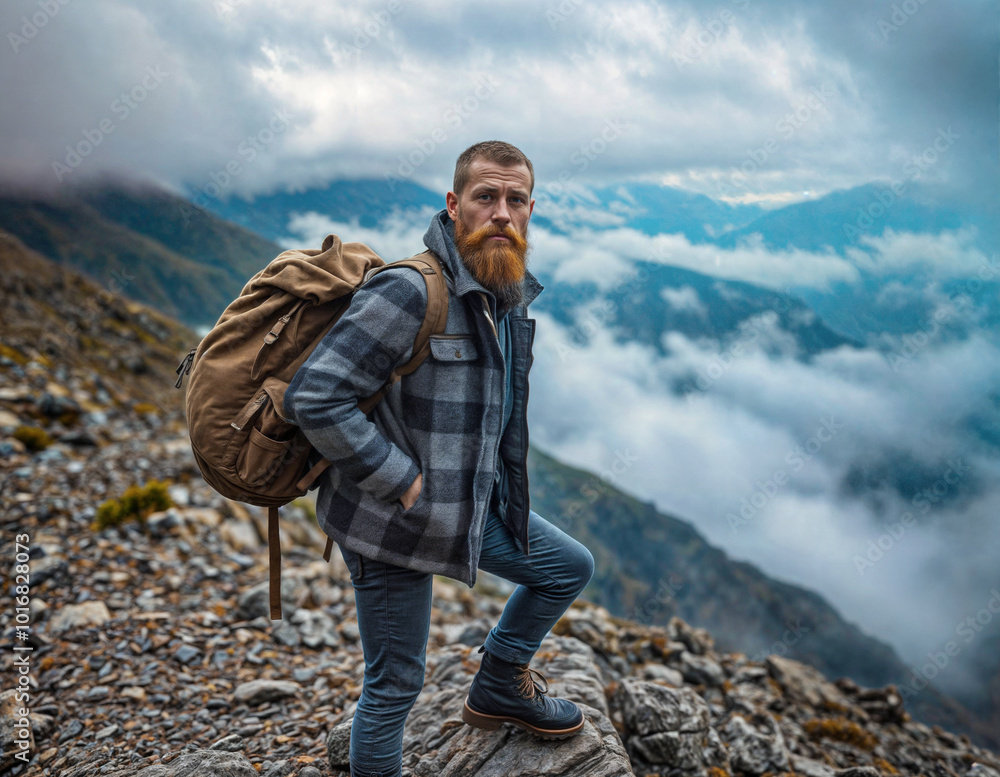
(531, 208)
(451, 203)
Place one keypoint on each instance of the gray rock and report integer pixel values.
(261, 691)
(253, 603)
(475, 633)
(316, 628)
(454, 749)
(350, 631)
(77, 615)
(279, 769)
(198, 763)
(807, 767)
(160, 524)
(97, 692)
(107, 731)
(662, 673)
(700, 670)
(669, 727)
(804, 683)
(186, 653)
(698, 641)
(231, 744)
(47, 568)
(752, 750)
(649, 708)
(284, 632)
(683, 753)
(338, 746)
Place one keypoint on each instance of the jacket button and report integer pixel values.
(458, 354)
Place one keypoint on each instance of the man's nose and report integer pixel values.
(501, 215)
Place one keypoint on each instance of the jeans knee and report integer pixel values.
(395, 683)
(583, 568)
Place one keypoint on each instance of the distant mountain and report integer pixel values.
(649, 208)
(880, 305)
(143, 241)
(190, 263)
(844, 218)
(366, 201)
(886, 302)
(700, 307)
(650, 567)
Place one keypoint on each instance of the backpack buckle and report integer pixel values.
(275, 332)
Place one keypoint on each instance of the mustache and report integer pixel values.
(518, 242)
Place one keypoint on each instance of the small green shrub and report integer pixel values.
(34, 438)
(136, 504)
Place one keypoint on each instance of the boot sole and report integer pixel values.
(492, 722)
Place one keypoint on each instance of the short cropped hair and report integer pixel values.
(492, 151)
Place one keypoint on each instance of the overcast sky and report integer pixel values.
(806, 97)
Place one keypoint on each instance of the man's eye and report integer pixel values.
(484, 196)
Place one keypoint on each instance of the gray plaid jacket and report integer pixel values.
(442, 420)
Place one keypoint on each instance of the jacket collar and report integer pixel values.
(440, 238)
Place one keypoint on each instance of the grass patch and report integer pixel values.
(34, 438)
(136, 504)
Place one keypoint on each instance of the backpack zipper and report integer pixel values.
(248, 412)
(184, 367)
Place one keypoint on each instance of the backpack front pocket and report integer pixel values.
(261, 436)
(261, 458)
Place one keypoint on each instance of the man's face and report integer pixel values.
(491, 226)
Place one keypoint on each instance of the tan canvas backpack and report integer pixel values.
(245, 448)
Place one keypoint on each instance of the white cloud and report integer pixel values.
(948, 254)
(704, 455)
(399, 237)
(368, 85)
(685, 299)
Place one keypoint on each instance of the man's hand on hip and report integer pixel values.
(409, 497)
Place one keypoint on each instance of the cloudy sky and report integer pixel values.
(807, 97)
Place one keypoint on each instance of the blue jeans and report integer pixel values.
(394, 614)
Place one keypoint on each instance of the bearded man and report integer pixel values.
(434, 480)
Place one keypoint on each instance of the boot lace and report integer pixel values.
(531, 681)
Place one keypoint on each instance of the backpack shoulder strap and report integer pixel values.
(436, 315)
(435, 318)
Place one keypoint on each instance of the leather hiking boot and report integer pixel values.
(503, 692)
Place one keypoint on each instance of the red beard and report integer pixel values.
(499, 266)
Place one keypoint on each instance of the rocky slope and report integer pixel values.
(151, 652)
(155, 246)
